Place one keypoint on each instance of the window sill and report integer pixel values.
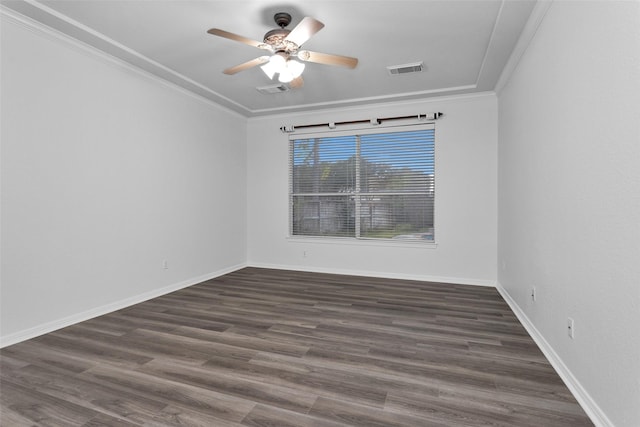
(350, 241)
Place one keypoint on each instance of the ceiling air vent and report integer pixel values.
(273, 89)
(415, 67)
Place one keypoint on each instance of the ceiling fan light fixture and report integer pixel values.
(295, 67)
(285, 76)
(287, 69)
(277, 64)
(269, 69)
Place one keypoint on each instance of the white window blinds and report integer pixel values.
(363, 184)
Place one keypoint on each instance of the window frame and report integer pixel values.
(356, 132)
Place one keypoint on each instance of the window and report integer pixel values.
(363, 185)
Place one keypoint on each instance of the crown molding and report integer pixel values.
(488, 48)
(378, 105)
(528, 33)
(409, 96)
(55, 26)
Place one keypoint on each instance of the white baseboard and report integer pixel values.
(385, 275)
(108, 308)
(598, 417)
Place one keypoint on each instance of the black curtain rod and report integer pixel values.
(332, 125)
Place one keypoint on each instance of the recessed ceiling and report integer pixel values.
(464, 45)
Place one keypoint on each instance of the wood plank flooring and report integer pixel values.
(262, 347)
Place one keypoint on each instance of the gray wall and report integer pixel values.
(569, 198)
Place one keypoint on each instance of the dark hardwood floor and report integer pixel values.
(264, 347)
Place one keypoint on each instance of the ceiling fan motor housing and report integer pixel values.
(282, 19)
(277, 38)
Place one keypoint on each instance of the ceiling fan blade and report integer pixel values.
(327, 59)
(231, 36)
(296, 83)
(254, 62)
(304, 30)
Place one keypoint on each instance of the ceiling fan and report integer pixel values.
(284, 46)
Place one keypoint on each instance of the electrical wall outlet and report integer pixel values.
(570, 327)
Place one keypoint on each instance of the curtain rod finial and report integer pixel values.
(430, 116)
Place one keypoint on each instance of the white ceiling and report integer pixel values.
(464, 45)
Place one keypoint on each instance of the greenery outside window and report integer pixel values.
(364, 184)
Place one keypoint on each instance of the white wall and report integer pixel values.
(569, 198)
(466, 198)
(106, 173)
